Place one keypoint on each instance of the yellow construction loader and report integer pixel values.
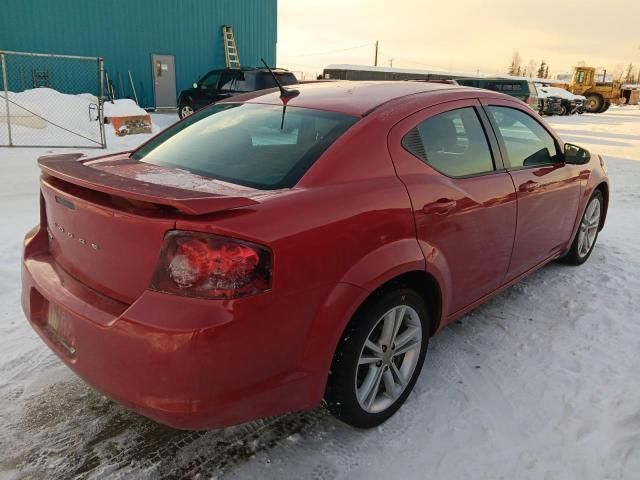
(599, 95)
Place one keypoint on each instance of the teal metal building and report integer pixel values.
(155, 40)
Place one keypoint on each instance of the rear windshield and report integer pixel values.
(247, 144)
(265, 80)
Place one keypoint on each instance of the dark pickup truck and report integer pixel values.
(224, 83)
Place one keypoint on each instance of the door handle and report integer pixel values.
(440, 206)
(529, 186)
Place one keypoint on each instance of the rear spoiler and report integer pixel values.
(71, 169)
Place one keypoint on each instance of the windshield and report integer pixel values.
(247, 144)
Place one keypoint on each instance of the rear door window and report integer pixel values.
(453, 143)
(237, 82)
(248, 144)
(527, 142)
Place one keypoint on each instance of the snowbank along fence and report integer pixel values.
(51, 100)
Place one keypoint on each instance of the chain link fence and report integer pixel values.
(51, 101)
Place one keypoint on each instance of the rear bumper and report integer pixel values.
(187, 363)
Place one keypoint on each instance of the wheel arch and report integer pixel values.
(604, 189)
(338, 310)
(423, 283)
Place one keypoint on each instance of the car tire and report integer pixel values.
(594, 103)
(563, 110)
(587, 234)
(185, 109)
(605, 107)
(370, 380)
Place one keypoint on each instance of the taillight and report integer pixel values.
(210, 266)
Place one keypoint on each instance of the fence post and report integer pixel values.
(6, 95)
(103, 138)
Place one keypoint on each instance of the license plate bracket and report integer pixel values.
(59, 326)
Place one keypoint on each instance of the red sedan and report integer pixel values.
(276, 250)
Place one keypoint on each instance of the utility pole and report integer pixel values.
(391, 62)
(375, 60)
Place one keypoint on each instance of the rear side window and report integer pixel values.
(453, 143)
(265, 80)
(507, 87)
(248, 144)
(527, 142)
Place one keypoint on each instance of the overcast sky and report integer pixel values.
(458, 35)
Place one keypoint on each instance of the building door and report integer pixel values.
(164, 80)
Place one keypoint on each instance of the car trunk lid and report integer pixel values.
(107, 218)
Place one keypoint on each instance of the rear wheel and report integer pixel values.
(563, 110)
(605, 107)
(587, 233)
(593, 103)
(379, 358)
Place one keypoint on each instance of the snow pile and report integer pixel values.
(122, 108)
(55, 118)
(43, 116)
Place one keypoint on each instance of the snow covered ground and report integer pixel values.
(542, 382)
(42, 116)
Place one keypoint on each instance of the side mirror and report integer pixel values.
(195, 84)
(576, 155)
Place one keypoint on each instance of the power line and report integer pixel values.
(327, 52)
(411, 61)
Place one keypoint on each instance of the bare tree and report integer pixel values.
(516, 62)
(518, 71)
(543, 67)
(546, 71)
(630, 73)
(618, 72)
(531, 67)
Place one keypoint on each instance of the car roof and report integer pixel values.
(352, 98)
(251, 69)
(497, 79)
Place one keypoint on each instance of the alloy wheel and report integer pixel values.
(589, 227)
(388, 359)
(186, 110)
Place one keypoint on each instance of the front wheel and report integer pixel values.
(185, 110)
(378, 359)
(587, 233)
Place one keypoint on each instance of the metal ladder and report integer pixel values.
(230, 51)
